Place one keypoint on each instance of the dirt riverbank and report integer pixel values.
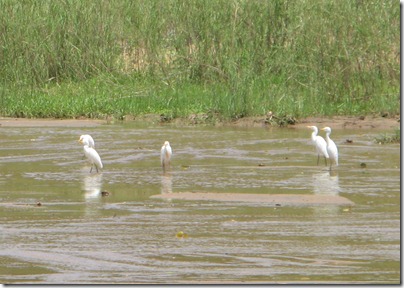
(336, 122)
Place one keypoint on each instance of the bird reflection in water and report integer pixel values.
(326, 183)
(92, 184)
(166, 183)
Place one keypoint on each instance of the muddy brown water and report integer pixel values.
(57, 227)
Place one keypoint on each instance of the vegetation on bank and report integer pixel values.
(222, 59)
(387, 138)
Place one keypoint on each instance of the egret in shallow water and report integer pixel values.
(319, 143)
(90, 152)
(331, 147)
(165, 155)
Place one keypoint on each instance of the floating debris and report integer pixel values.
(350, 141)
(39, 204)
(363, 165)
(261, 164)
(104, 193)
(181, 234)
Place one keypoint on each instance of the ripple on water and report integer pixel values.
(78, 236)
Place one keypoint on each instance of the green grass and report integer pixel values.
(230, 59)
(389, 138)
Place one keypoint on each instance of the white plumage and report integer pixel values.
(90, 152)
(165, 155)
(88, 140)
(331, 147)
(319, 143)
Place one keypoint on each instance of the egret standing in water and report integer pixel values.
(90, 152)
(331, 147)
(165, 155)
(319, 143)
(88, 140)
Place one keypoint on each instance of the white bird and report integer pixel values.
(165, 155)
(319, 143)
(88, 139)
(90, 152)
(331, 147)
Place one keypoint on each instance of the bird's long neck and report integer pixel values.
(327, 136)
(313, 135)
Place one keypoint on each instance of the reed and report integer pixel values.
(229, 58)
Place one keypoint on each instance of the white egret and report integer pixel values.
(319, 143)
(88, 139)
(165, 155)
(90, 153)
(331, 147)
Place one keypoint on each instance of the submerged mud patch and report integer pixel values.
(281, 199)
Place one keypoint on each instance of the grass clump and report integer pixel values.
(389, 138)
(231, 59)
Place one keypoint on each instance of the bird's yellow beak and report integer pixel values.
(322, 129)
(80, 141)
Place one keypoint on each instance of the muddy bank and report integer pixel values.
(274, 199)
(336, 122)
(342, 122)
(24, 122)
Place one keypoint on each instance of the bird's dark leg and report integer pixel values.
(330, 164)
(96, 168)
(318, 158)
(91, 168)
(325, 160)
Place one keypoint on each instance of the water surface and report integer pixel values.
(56, 227)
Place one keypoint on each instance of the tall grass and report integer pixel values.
(231, 58)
